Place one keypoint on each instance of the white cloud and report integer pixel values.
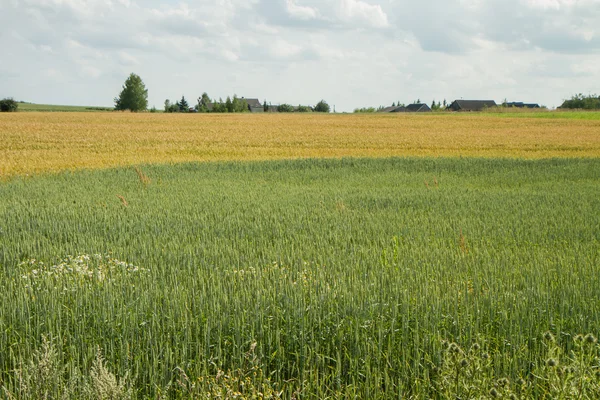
(300, 12)
(362, 12)
(350, 52)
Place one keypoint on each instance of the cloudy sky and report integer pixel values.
(352, 53)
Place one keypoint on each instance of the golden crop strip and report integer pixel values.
(45, 142)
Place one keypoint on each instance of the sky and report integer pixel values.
(352, 53)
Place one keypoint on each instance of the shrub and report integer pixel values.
(8, 105)
(285, 108)
(579, 101)
(322, 106)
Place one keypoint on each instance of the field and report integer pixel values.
(41, 142)
(58, 108)
(450, 256)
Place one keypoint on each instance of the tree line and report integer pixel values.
(134, 97)
(579, 101)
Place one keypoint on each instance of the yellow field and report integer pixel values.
(46, 142)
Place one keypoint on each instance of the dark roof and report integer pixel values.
(392, 109)
(418, 107)
(520, 104)
(253, 103)
(472, 105)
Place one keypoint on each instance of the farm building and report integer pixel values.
(392, 109)
(254, 105)
(520, 104)
(471, 105)
(417, 107)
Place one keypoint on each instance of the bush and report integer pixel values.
(8, 105)
(322, 106)
(302, 109)
(579, 101)
(285, 108)
(365, 110)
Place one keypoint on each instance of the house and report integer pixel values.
(520, 104)
(393, 109)
(254, 105)
(417, 107)
(471, 105)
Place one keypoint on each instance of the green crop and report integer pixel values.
(304, 279)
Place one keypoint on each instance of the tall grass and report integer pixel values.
(305, 279)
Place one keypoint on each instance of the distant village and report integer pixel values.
(456, 105)
(254, 105)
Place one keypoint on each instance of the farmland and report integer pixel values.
(312, 257)
(42, 142)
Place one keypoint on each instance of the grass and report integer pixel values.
(59, 108)
(35, 143)
(308, 278)
(558, 114)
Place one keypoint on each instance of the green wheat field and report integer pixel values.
(428, 278)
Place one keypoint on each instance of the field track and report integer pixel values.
(48, 142)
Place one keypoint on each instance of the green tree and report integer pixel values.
(322, 106)
(219, 107)
(366, 110)
(228, 105)
(134, 96)
(183, 105)
(590, 102)
(304, 109)
(239, 105)
(8, 105)
(203, 103)
(265, 106)
(285, 108)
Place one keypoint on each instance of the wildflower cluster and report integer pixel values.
(74, 271)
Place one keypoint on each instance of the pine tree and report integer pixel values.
(183, 105)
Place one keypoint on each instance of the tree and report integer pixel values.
(228, 105)
(322, 106)
(203, 103)
(183, 105)
(219, 107)
(285, 108)
(589, 102)
(239, 105)
(265, 106)
(134, 96)
(367, 110)
(8, 105)
(303, 109)
(393, 104)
